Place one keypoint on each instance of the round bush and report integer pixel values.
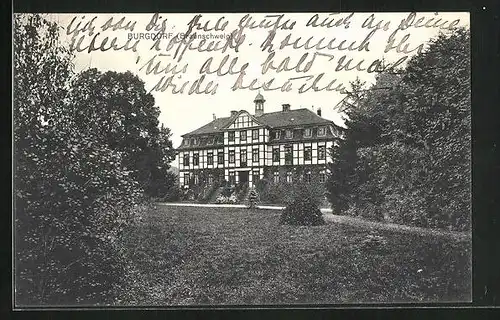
(302, 212)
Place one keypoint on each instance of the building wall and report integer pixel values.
(265, 152)
(261, 143)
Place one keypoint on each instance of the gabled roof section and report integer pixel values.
(234, 117)
(292, 118)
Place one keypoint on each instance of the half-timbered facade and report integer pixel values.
(243, 147)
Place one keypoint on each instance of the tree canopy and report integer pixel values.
(86, 146)
(405, 155)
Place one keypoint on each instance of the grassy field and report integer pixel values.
(182, 255)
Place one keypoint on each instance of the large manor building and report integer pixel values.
(244, 147)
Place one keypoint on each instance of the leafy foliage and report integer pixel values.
(284, 192)
(405, 156)
(302, 208)
(76, 184)
(127, 122)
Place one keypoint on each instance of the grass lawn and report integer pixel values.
(183, 255)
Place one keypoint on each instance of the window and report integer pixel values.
(243, 121)
(276, 154)
(276, 176)
(186, 142)
(289, 134)
(220, 157)
(307, 177)
(321, 152)
(289, 177)
(322, 177)
(243, 135)
(232, 178)
(231, 156)
(196, 159)
(210, 158)
(186, 159)
(288, 155)
(194, 141)
(243, 158)
(186, 179)
(255, 134)
(307, 132)
(210, 140)
(277, 135)
(230, 135)
(321, 131)
(210, 178)
(255, 155)
(255, 176)
(307, 153)
(196, 178)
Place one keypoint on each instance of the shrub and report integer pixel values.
(208, 193)
(261, 185)
(302, 212)
(227, 191)
(303, 209)
(226, 200)
(253, 195)
(242, 193)
(67, 221)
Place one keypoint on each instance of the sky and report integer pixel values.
(183, 113)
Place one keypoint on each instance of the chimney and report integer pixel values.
(233, 112)
(286, 107)
(213, 114)
(319, 112)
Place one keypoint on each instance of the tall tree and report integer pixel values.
(438, 119)
(128, 121)
(406, 150)
(163, 181)
(73, 196)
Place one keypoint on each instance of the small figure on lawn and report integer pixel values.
(252, 198)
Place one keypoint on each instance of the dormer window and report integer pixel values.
(321, 131)
(210, 140)
(194, 141)
(219, 139)
(307, 132)
(289, 134)
(186, 142)
(277, 135)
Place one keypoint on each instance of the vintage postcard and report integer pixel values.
(241, 159)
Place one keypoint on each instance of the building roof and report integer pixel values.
(259, 97)
(212, 127)
(297, 117)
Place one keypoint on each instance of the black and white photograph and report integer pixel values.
(241, 159)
